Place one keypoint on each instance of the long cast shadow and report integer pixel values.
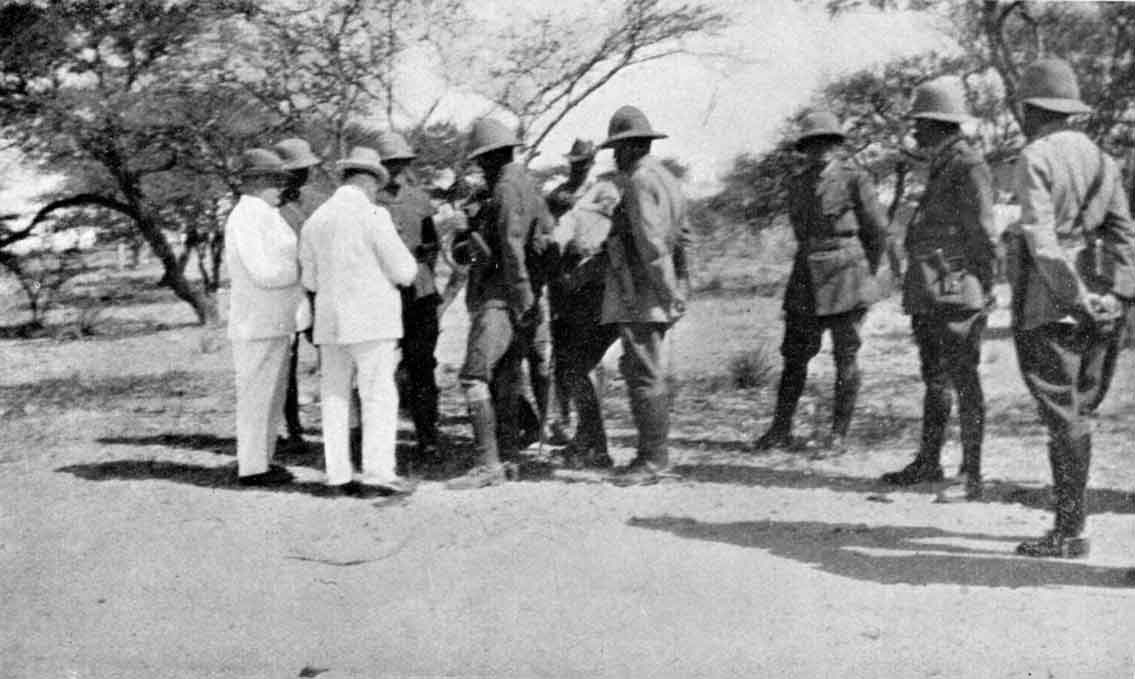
(895, 555)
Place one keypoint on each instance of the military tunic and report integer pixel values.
(1065, 247)
(951, 246)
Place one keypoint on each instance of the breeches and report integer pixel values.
(803, 334)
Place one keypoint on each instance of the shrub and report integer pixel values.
(752, 368)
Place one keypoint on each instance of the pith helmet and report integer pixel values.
(629, 123)
(1051, 84)
(393, 146)
(490, 135)
(940, 99)
(296, 154)
(260, 162)
(819, 124)
(367, 159)
(581, 149)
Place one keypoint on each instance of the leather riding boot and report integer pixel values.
(652, 420)
(1072, 487)
(847, 382)
(788, 394)
(927, 466)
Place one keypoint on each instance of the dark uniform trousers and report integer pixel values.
(420, 330)
(580, 345)
(1065, 367)
(949, 346)
(803, 335)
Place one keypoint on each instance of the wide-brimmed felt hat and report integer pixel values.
(941, 99)
(581, 149)
(819, 124)
(258, 162)
(1051, 84)
(629, 123)
(489, 135)
(366, 159)
(393, 146)
(296, 154)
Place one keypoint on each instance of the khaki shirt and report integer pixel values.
(1055, 259)
(412, 212)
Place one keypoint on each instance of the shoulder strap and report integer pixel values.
(1092, 192)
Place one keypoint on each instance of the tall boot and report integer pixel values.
(488, 471)
(927, 466)
(788, 394)
(847, 384)
(1069, 457)
(652, 460)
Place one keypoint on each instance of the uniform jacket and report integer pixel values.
(577, 291)
(955, 216)
(840, 236)
(644, 249)
(260, 255)
(563, 197)
(1055, 259)
(352, 258)
(413, 214)
(516, 226)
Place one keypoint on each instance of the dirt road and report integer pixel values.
(126, 552)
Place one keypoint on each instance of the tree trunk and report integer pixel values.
(204, 305)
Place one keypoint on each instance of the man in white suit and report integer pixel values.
(261, 257)
(352, 260)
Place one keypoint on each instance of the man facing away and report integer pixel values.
(260, 255)
(503, 241)
(951, 246)
(840, 236)
(413, 216)
(643, 295)
(352, 261)
(1071, 263)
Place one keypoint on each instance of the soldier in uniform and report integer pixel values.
(840, 237)
(1071, 263)
(951, 247)
(413, 214)
(643, 294)
(504, 241)
(297, 201)
(581, 158)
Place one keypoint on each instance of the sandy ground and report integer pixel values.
(125, 551)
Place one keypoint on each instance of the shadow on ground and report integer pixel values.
(895, 555)
(1099, 500)
(223, 478)
(106, 393)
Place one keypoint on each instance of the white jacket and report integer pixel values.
(260, 253)
(352, 258)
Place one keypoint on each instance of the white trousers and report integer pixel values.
(372, 364)
(261, 384)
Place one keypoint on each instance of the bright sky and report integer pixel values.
(714, 109)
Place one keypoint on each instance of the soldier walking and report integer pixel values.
(413, 214)
(1071, 262)
(951, 247)
(504, 240)
(840, 237)
(643, 296)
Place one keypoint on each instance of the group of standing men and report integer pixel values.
(355, 272)
(1070, 261)
(603, 260)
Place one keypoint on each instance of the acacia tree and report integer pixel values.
(117, 96)
(543, 68)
